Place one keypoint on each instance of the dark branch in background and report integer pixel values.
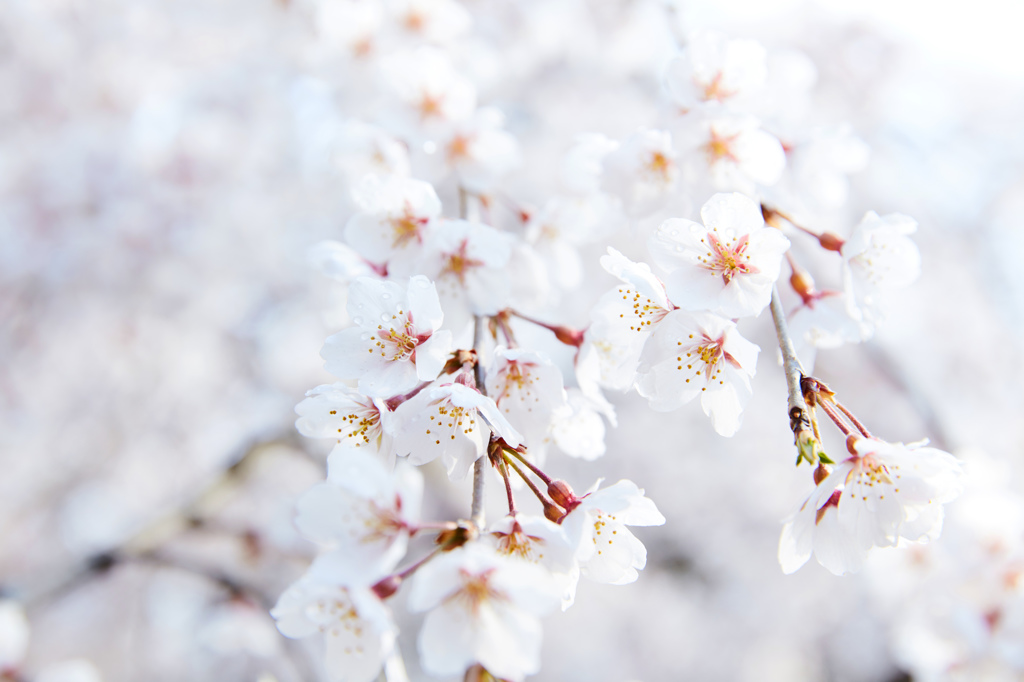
(153, 535)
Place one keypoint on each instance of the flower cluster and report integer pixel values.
(449, 355)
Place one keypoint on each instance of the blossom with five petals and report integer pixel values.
(883, 494)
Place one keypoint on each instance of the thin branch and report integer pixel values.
(476, 514)
(790, 364)
(807, 442)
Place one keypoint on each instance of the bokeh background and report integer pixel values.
(165, 168)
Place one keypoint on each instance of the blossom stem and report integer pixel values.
(529, 482)
(503, 468)
(568, 336)
(533, 467)
(476, 514)
(856, 422)
(799, 421)
(836, 418)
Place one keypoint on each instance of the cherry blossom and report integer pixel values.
(825, 319)
(528, 389)
(356, 626)
(432, 93)
(484, 608)
(578, 429)
(713, 69)
(596, 525)
(699, 354)
(395, 343)
(340, 412)
(880, 256)
(884, 494)
(467, 262)
(436, 21)
(582, 163)
(362, 149)
(393, 220)
(558, 229)
(480, 151)
(539, 541)
(728, 265)
(451, 421)
(339, 261)
(732, 151)
(622, 321)
(361, 515)
(642, 171)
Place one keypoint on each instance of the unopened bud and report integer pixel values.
(831, 241)
(851, 443)
(562, 495)
(387, 586)
(553, 513)
(802, 283)
(820, 474)
(771, 217)
(570, 337)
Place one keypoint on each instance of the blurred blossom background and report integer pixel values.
(165, 169)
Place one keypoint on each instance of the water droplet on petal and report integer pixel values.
(358, 320)
(384, 317)
(385, 295)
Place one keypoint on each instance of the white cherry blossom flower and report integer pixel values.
(353, 26)
(432, 93)
(728, 265)
(642, 172)
(733, 152)
(539, 541)
(467, 262)
(528, 389)
(884, 494)
(558, 229)
(578, 429)
(822, 162)
(393, 221)
(451, 421)
(436, 21)
(339, 261)
(484, 608)
(357, 627)
(825, 319)
(582, 164)
(622, 321)
(481, 152)
(362, 149)
(607, 551)
(395, 343)
(713, 70)
(344, 414)
(361, 515)
(880, 256)
(699, 354)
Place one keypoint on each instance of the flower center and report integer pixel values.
(728, 258)
(476, 589)
(406, 228)
(459, 263)
(719, 147)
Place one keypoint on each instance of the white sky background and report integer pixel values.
(984, 34)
